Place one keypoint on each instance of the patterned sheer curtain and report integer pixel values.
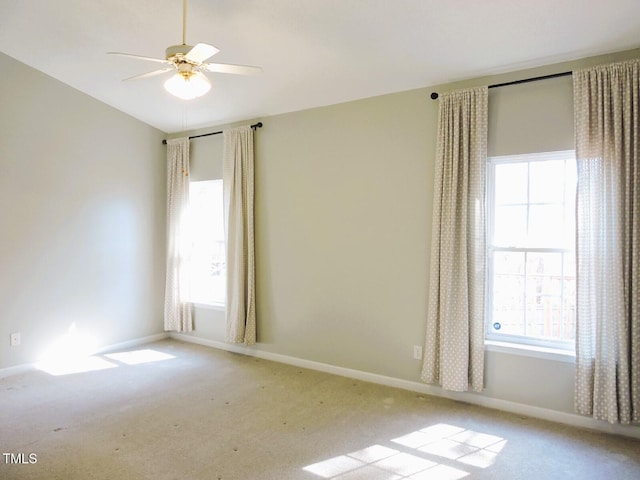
(607, 123)
(237, 180)
(177, 309)
(454, 346)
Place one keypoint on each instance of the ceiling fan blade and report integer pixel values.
(149, 74)
(201, 52)
(228, 68)
(140, 57)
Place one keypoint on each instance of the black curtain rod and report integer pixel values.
(254, 126)
(434, 95)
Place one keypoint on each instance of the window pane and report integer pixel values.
(508, 297)
(568, 325)
(546, 226)
(510, 227)
(544, 263)
(544, 293)
(508, 307)
(509, 262)
(546, 181)
(208, 258)
(510, 183)
(551, 296)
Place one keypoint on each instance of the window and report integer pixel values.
(208, 258)
(531, 280)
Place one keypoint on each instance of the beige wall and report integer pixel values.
(343, 228)
(531, 118)
(82, 192)
(341, 225)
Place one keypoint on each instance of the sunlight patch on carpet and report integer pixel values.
(70, 365)
(137, 357)
(75, 352)
(437, 452)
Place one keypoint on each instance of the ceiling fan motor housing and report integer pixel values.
(177, 51)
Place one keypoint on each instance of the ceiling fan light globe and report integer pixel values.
(188, 87)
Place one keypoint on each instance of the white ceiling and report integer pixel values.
(313, 52)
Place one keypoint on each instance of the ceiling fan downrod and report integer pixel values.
(184, 22)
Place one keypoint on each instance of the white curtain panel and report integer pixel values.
(454, 346)
(607, 123)
(237, 183)
(177, 309)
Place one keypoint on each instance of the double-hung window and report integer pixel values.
(531, 279)
(208, 269)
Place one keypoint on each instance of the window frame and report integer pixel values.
(519, 341)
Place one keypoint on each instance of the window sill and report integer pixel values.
(530, 351)
(210, 306)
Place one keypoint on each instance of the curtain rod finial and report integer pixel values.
(434, 95)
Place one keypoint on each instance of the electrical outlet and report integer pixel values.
(417, 352)
(15, 339)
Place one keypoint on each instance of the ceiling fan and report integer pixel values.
(188, 64)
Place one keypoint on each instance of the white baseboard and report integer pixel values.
(16, 370)
(481, 400)
(132, 343)
(25, 367)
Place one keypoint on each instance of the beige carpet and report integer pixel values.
(180, 411)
